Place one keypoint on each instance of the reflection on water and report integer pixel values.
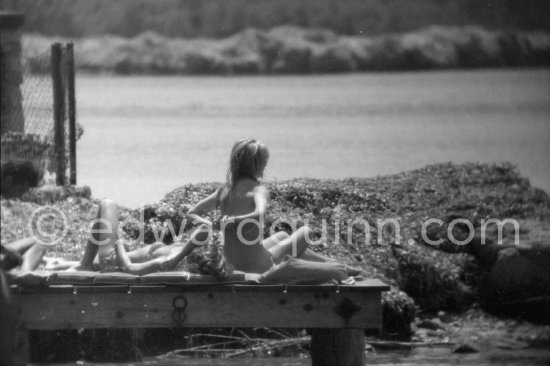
(145, 136)
(279, 361)
(418, 356)
(443, 356)
(257, 361)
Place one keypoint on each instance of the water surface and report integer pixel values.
(145, 136)
(428, 356)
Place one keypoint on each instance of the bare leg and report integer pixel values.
(296, 245)
(310, 255)
(198, 238)
(89, 254)
(163, 257)
(274, 239)
(104, 234)
(127, 266)
(21, 246)
(149, 252)
(58, 264)
(33, 257)
(158, 263)
(109, 224)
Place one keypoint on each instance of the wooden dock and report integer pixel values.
(335, 315)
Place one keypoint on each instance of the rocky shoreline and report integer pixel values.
(437, 291)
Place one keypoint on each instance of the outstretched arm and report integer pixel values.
(195, 213)
(27, 257)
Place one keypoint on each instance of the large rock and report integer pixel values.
(398, 312)
(437, 280)
(518, 285)
(517, 265)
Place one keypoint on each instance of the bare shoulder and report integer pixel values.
(251, 187)
(260, 189)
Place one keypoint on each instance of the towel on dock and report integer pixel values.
(291, 271)
(295, 271)
(44, 278)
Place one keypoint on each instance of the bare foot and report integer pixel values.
(348, 281)
(354, 272)
(253, 277)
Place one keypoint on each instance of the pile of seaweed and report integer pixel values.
(288, 49)
(376, 224)
(369, 223)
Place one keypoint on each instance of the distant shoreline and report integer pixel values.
(292, 50)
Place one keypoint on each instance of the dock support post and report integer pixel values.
(21, 351)
(338, 347)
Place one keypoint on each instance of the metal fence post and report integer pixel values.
(58, 113)
(71, 106)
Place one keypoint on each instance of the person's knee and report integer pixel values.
(282, 235)
(108, 204)
(306, 232)
(303, 238)
(129, 268)
(120, 244)
(107, 218)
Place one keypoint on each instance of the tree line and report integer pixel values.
(221, 18)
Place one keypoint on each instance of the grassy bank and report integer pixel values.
(424, 279)
(289, 49)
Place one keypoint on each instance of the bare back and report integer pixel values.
(242, 243)
(240, 200)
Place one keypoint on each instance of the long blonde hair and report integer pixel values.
(248, 159)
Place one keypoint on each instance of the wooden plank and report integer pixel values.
(105, 309)
(82, 279)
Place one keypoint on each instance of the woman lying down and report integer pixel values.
(106, 253)
(242, 203)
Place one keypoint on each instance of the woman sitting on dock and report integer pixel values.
(242, 202)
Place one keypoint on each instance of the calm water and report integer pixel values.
(428, 356)
(145, 136)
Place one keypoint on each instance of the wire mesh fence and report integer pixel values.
(42, 109)
(37, 102)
